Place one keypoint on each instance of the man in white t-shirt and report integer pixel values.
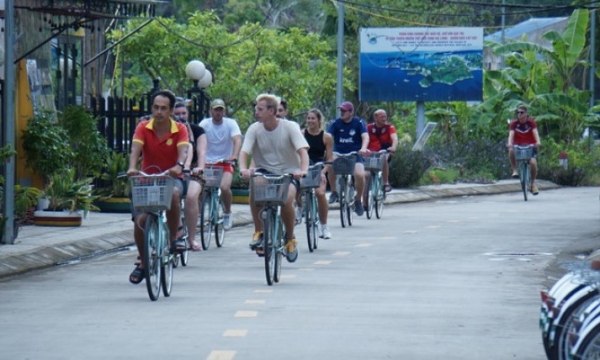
(278, 147)
(224, 139)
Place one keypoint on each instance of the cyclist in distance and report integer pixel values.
(382, 136)
(321, 149)
(277, 147)
(195, 158)
(523, 131)
(164, 143)
(224, 140)
(349, 134)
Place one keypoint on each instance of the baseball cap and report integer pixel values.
(217, 103)
(346, 106)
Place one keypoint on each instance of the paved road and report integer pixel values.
(449, 279)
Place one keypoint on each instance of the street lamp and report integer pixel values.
(202, 78)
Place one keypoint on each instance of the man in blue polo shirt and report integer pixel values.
(349, 134)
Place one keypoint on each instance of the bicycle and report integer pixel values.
(152, 194)
(375, 191)
(211, 206)
(523, 155)
(184, 254)
(308, 184)
(343, 166)
(271, 191)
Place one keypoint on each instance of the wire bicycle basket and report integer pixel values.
(212, 176)
(151, 193)
(344, 165)
(523, 153)
(374, 162)
(270, 190)
(312, 178)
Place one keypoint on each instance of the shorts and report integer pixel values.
(227, 168)
(178, 185)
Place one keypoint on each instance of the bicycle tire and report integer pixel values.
(350, 206)
(316, 221)
(268, 240)
(379, 198)
(370, 197)
(343, 202)
(589, 344)
(166, 270)
(183, 255)
(311, 233)
(278, 247)
(219, 226)
(152, 259)
(523, 175)
(206, 220)
(561, 348)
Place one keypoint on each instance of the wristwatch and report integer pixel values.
(180, 163)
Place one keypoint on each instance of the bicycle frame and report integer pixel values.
(524, 166)
(346, 191)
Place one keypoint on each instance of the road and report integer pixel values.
(451, 279)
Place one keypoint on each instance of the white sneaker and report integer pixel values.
(298, 215)
(227, 221)
(326, 234)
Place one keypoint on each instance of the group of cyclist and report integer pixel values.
(275, 144)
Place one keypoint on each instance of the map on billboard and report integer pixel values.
(421, 64)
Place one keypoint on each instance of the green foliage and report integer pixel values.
(407, 166)
(440, 176)
(46, 147)
(116, 185)
(88, 145)
(63, 192)
(25, 198)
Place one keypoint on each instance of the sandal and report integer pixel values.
(178, 246)
(137, 275)
(387, 188)
(180, 233)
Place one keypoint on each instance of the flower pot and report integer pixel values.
(57, 218)
(43, 203)
(114, 204)
(241, 196)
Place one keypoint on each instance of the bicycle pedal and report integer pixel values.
(260, 251)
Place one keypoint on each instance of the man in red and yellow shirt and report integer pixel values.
(164, 144)
(382, 136)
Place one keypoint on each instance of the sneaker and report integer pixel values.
(358, 208)
(534, 190)
(291, 250)
(326, 234)
(515, 174)
(227, 221)
(298, 214)
(256, 240)
(333, 198)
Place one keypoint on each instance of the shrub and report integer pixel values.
(407, 166)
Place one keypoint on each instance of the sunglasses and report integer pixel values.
(520, 112)
(344, 111)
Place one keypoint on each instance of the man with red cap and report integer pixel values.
(349, 134)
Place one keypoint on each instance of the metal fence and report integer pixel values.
(118, 117)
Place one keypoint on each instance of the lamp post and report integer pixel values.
(202, 78)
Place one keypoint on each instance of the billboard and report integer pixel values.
(421, 64)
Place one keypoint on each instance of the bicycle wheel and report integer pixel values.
(561, 348)
(524, 175)
(351, 200)
(152, 256)
(219, 227)
(183, 255)
(278, 248)
(370, 196)
(205, 220)
(166, 263)
(379, 198)
(268, 242)
(311, 231)
(590, 346)
(343, 202)
(316, 222)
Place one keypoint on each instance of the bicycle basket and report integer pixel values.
(344, 165)
(374, 162)
(523, 153)
(212, 176)
(151, 193)
(272, 191)
(312, 178)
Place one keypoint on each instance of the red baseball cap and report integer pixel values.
(346, 106)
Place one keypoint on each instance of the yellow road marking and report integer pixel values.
(255, 301)
(221, 355)
(323, 262)
(235, 332)
(245, 313)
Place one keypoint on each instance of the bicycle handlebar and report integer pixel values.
(222, 161)
(346, 154)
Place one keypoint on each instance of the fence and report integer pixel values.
(118, 117)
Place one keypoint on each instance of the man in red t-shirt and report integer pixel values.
(382, 136)
(523, 131)
(164, 143)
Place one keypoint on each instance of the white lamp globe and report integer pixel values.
(195, 70)
(206, 80)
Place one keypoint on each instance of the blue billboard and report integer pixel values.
(421, 64)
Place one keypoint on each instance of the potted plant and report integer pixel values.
(114, 195)
(69, 200)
